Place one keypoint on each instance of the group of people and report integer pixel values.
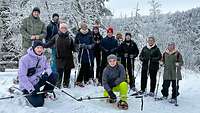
(114, 57)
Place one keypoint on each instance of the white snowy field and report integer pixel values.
(188, 100)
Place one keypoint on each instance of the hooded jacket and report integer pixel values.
(29, 61)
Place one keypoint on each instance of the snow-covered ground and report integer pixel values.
(188, 99)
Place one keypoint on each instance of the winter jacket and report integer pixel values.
(52, 30)
(130, 49)
(97, 37)
(108, 45)
(169, 60)
(114, 74)
(29, 61)
(31, 26)
(87, 39)
(64, 45)
(151, 55)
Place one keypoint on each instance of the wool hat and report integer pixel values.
(36, 9)
(110, 30)
(112, 56)
(55, 14)
(128, 34)
(37, 43)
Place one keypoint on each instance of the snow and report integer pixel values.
(188, 100)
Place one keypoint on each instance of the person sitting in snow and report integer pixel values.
(34, 71)
(172, 61)
(113, 79)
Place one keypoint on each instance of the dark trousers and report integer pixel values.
(165, 90)
(66, 72)
(86, 72)
(98, 64)
(144, 78)
(38, 99)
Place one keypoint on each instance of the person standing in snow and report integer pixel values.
(113, 80)
(86, 54)
(52, 30)
(108, 46)
(97, 37)
(64, 46)
(34, 71)
(150, 56)
(172, 61)
(32, 29)
(128, 51)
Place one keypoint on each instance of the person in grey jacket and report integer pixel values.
(113, 80)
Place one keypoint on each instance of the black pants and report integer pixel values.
(144, 78)
(86, 72)
(98, 64)
(67, 72)
(38, 99)
(165, 90)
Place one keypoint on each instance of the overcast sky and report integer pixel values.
(122, 7)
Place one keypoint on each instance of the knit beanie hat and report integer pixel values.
(37, 43)
(112, 56)
(128, 34)
(36, 9)
(55, 14)
(110, 30)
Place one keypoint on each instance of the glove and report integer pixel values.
(177, 64)
(112, 95)
(112, 84)
(131, 56)
(161, 63)
(125, 55)
(25, 91)
(88, 47)
(32, 92)
(82, 46)
(44, 76)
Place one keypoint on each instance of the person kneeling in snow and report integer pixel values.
(113, 79)
(34, 71)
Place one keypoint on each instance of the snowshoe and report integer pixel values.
(161, 98)
(151, 94)
(173, 101)
(80, 84)
(122, 105)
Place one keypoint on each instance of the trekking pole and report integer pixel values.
(79, 67)
(142, 101)
(92, 98)
(160, 69)
(23, 95)
(132, 72)
(126, 69)
(62, 90)
(176, 101)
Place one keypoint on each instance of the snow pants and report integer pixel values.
(122, 88)
(37, 100)
(165, 90)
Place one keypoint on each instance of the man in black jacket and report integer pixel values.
(150, 57)
(128, 51)
(52, 30)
